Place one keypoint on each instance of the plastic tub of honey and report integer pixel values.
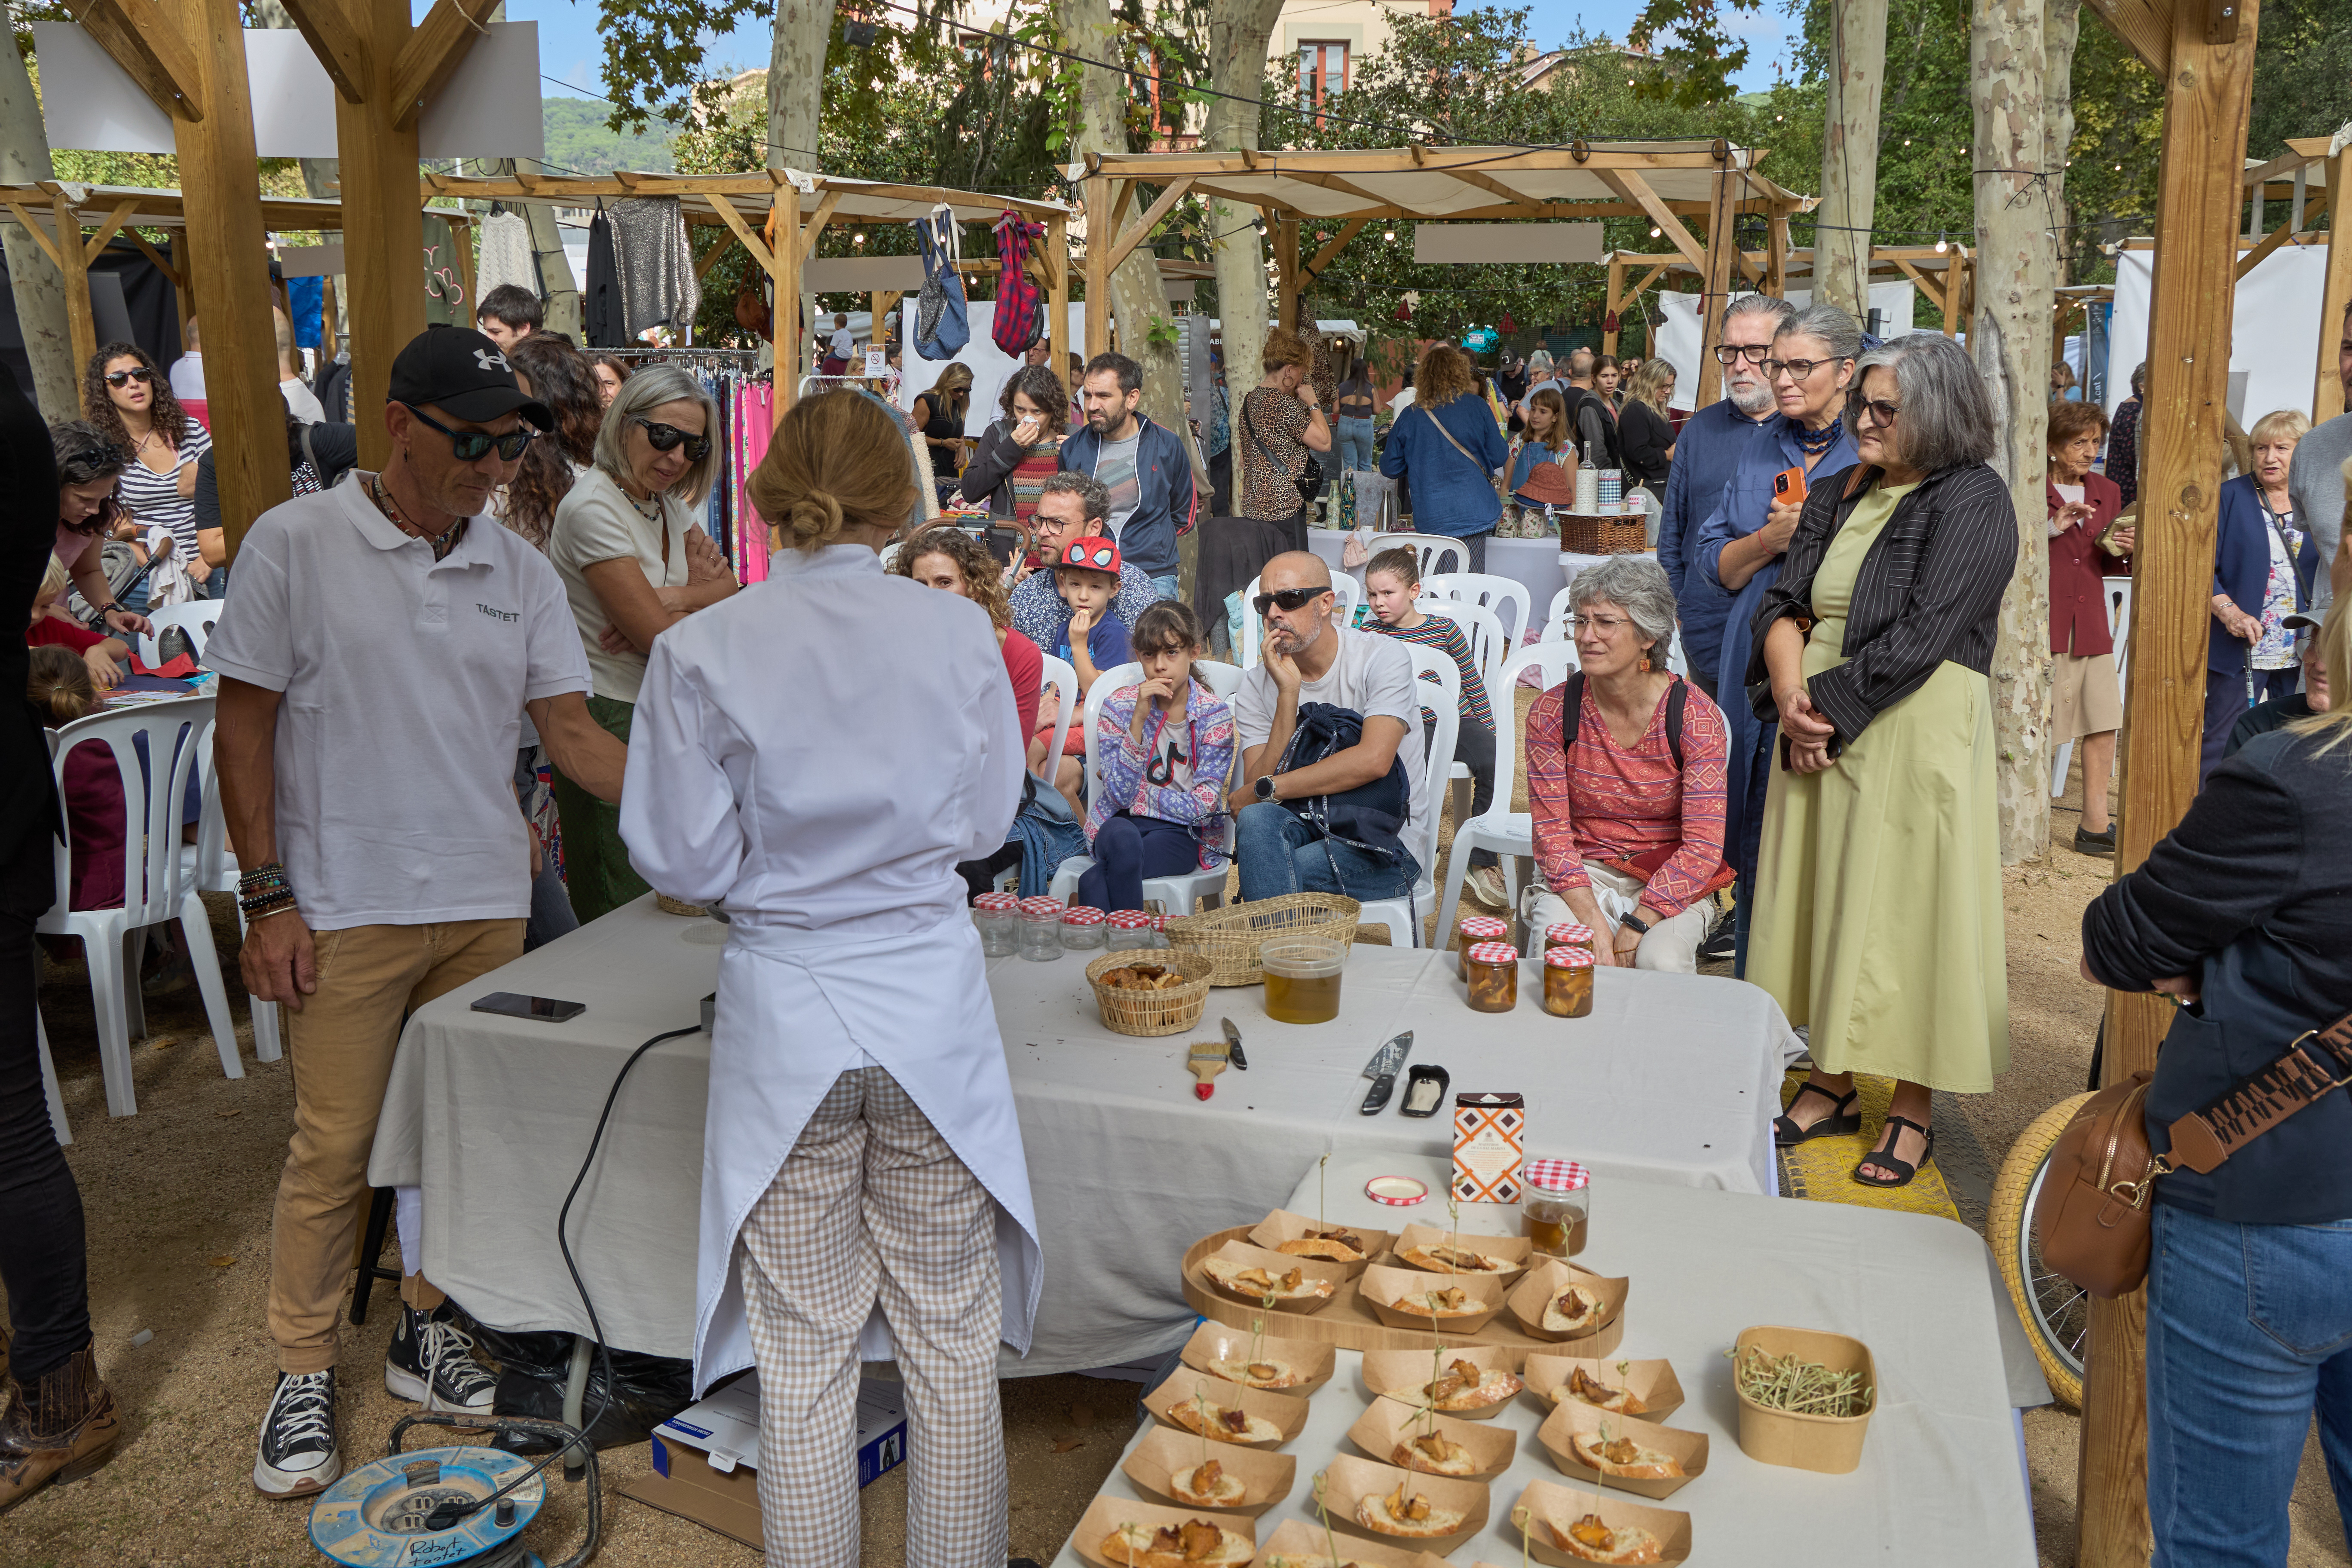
(1302, 979)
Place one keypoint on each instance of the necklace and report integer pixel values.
(441, 543)
(1822, 439)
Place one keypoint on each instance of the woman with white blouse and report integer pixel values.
(633, 564)
(818, 754)
(128, 398)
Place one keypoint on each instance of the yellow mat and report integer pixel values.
(1823, 1170)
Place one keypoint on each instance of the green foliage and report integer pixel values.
(579, 140)
(1689, 39)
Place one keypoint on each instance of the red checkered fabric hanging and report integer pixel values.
(1020, 318)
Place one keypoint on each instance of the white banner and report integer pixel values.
(991, 367)
(2275, 350)
(1679, 337)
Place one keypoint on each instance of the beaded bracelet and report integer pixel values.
(259, 909)
(271, 876)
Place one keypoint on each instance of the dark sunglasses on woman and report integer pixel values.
(666, 437)
(125, 377)
(472, 446)
(1288, 598)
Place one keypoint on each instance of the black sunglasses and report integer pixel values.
(666, 438)
(1288, 598)
(1882, 413)
(472, 446)
(125, 377)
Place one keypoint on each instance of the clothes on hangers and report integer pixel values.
(505, 257)
(600, 295)
(658, 288)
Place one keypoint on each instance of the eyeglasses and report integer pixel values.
(1794, 369)
(1607, 626)
(1730, 354)
(1882, 413)
(125, 377)
(667, 437)
(472, 446)
(1288, 598)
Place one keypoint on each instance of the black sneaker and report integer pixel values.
(2100, 843)
(296, 1453)
(431, 1362)
(1722, 944)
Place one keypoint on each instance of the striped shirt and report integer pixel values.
(155, 500)
(1599, 801)
(1446, 636)
(1029, 477)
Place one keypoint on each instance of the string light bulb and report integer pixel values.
(1942, 244)
(1389, 235)
(857, 238)
(1653, 231)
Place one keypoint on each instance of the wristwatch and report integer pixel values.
(1264, 788)
(1635, 923)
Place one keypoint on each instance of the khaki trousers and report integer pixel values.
(872, 1205)
(341, 1045)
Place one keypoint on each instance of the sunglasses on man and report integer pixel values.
(667, 437)
(1288, 598)
(121, 378)
(472, 446)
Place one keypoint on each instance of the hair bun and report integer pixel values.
(815, 515)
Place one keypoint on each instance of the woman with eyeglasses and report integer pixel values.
(1741, 546)
(127, 397)
(1878, 903)
(633, 564)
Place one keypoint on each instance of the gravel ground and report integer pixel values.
(178, 1201)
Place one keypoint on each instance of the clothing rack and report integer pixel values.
(746, 402)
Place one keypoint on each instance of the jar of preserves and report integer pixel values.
(1473, 930)
(1568, 981)
(1556, 1209)
(1041, 929)
(1568, 934)
(1129, 929)
(1492, 968)
(1083, 928)
(998, 916)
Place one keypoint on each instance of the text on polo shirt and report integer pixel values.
(498, 614)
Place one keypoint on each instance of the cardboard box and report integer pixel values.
(707, 1456)
(1490, 1138)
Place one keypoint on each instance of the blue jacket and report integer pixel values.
(1706, 454)
(2241, 568)
(1163, 509)
(1450, 497)
(1746, 501)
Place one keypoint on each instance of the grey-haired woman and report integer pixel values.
(1878, 904)
(633, 564)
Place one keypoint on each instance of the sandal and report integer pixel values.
(1843, 1120)
(1886, 1160)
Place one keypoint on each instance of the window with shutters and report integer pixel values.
(1322, 73)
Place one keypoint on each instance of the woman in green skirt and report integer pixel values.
(1878, 912)
(633, 564)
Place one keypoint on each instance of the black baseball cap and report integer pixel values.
(465, 375)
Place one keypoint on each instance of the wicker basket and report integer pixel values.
(1620, 535)
(1147, 1012)
(1229, 937)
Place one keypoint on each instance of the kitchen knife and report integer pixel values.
(1382, 1070)
(1234, 1046)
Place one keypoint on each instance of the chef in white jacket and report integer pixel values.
(817, 753)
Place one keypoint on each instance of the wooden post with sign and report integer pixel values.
(2327, 387)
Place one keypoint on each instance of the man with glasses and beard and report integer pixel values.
(1706, 454)
(386, 640)
(1307, 656)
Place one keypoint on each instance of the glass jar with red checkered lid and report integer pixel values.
(1082, 928)
(998, 916)
(1568, 980)
(1492, 968)
(1129, 929)
(1041, 929)
(1556, 1209)
(1473, 930)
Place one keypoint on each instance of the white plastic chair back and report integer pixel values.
(1506, 597)
(1490, 646)
(1555, 626)
(1506, 832)
(1064, 680)
(1435, 552)
(2119, 621)
(1180, 893)
(198, 617)
(1105, 682)
(1401, 915)
(174, 733)
(1346, 594)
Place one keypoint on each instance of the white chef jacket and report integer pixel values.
(818, 753)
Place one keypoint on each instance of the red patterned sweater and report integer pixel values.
(1628, 808)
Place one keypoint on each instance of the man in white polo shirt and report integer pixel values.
(386, 640)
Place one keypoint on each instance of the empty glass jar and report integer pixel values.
(1083, 928)
(1041, 929)
(998, 916)
(1130, 930)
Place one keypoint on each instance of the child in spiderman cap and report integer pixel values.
(1086, 573)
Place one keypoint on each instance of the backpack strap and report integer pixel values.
(1677, 699)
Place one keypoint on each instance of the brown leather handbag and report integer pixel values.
(2093, 1214)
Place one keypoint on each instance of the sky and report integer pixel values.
(570, 51)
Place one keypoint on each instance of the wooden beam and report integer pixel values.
(149, 42)
(154, 257)
(1287, 293)
(1616, 299)
(1776, 264)
(2335, 299)
(95, 245)
(1057, 315)
(1714, 294)
(711, 258)
(2208, 89)
(784, 266)
(769, 260)
(82, 325)
(434, 49)
(1635, 189)
(1955, 282)
(1140, 230)
(383, 226)
(328, 29)
(1335, 182)
(2280, 236)
(2143, 28)
(183, 285)
(1099, 243)
(461, 251)
(1919, 280)
(810, 231)
(1324, 257)
(40, 235)
(225, 238)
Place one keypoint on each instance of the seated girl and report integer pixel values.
(61, 691)
(1163, 751)
(1392, 584)
(1550, 440)
(105, 658)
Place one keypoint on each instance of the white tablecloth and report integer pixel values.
(1672, 1079)
(1939, 1484)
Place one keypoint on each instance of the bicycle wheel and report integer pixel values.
(2055, 1311)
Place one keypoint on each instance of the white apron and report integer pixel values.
(795, 1008)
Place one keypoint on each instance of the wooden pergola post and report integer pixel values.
(1102, 234)
(183, 285)
(787, 271)
(1609, 311)
(2207, 70)
(1715, 292)
(1057, 290)
(2327, 387)
(1776, 263)
(82, 325)
(1285, 259)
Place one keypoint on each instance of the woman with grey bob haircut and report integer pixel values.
(1878, 901)
(633, 564)
(1636, 861)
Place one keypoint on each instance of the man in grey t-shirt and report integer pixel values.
(2315, 484)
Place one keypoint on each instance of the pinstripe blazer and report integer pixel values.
(1928, 591)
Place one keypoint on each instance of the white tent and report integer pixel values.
(2275, 337)
(1678, 335)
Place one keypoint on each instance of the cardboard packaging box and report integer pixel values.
(707, 1456)
(1490, 1137)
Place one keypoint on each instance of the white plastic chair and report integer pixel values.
(1346, 594)
(1431, 551)
(1490, 649)
(2119, 602)
(1506, 597)
(49, 1081)
(1557, 629)
(1508, 833)
(198, 617)
(1400, 915)
(1057, 675)
(208, 868)
(1182, 893)
(154, 889)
